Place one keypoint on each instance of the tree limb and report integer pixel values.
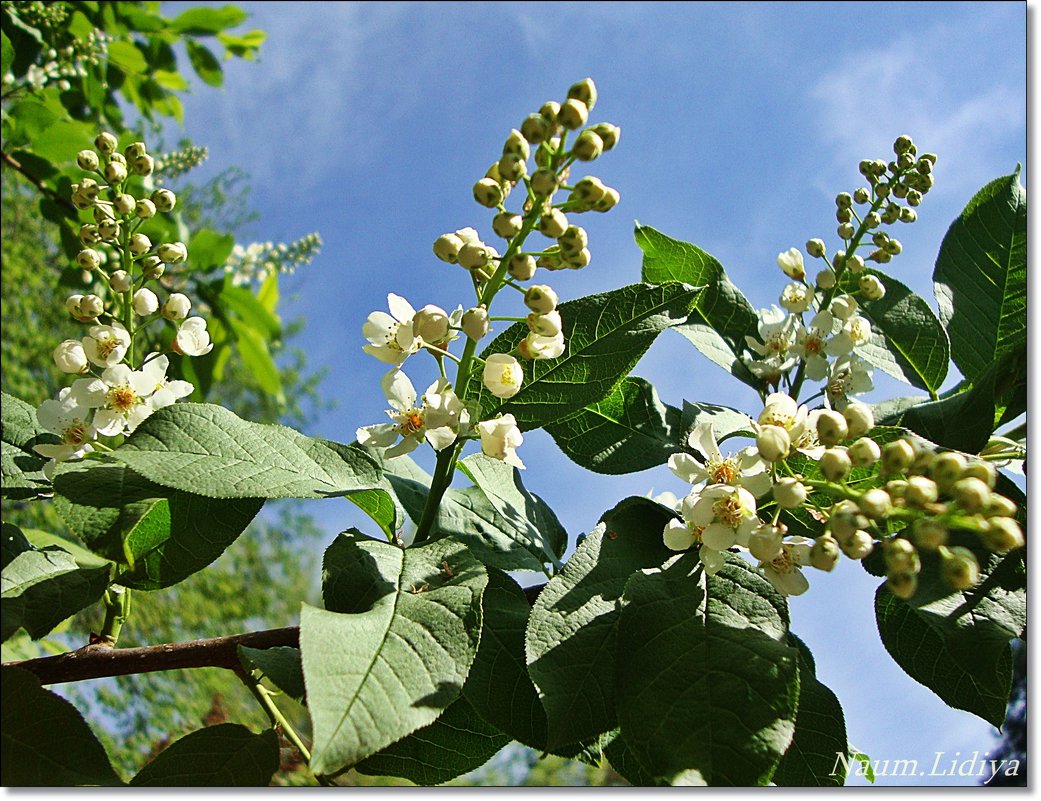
(98, 661)
(15, 164)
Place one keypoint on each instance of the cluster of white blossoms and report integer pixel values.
(817, 333)
(930, 494)
(395, 336)
(117, 387)
(61, 64)
(254, 263)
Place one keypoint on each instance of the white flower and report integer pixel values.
(812, 343)
(164, 391)
(726, 515)
(784, 570)
(431, 324)
(503, 375)
(192, 338)
(743, 469)
(437, 420)
(121, 395)
(69, 418)
(70, 357)
(391, 336)
(790, 261)
(777, 332)
(537, 346)
(177, 307)
(500, 439)
(796, 298)
(106, 345)
(843, 306)
(849, 375)
(801, 424)
(145, 302)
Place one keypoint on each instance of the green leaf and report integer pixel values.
(204, 21)
(282, 666)
(165, 535)
(706, 679)
(454, 744)
(207, 450)
(250, 310)
(39, 588)
(21, 468)
(208, 249)
(981, 277)
(46, 741)
(532, 523)
(225, 755)
(243, 46)
(606, 335)
(393, 647)
(126, 55)
(45, 539)
(958, 643)
(257, 359)
(6, 54)
(722, 316)
(173, 81)
(627, 431)
(572, 629)
(498, 686)
(204, 63)
(812, 760)
(908, 342)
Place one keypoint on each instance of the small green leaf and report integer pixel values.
(6, 54)
(204, 63)
(812, 760)
(171, 80)
(282, 666)
(722, 316)
(572, 630)
(206, 450)
(458, 742)
(225, 755)
(209, 249)
(126, 55)
(46, 741)
(958, 643)
(498, 686)
(257, 359)
(706, 680)
(606, 335)
(205, 21)
(21, 468)
(40, 588)
(248, 308)
(908, 342)
(981, 277)
(393, 647)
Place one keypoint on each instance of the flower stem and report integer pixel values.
(439, 484)
(117, 610)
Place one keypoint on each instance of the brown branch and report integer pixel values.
(96, 662)
(15, 164)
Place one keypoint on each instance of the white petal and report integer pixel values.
(677, 535)
(400, 307)
(704, 440)
(440, 438)
(407, 445)
(718, 537)
(108, 422)
(381, 435)
(712, 560)
(399, 390)
(686, 467)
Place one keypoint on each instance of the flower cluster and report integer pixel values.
(818, 332)
(536, 161)
(177, 162)
(254, 263)
(116, 387)
(63, 62)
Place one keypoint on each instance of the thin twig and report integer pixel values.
(15, 164)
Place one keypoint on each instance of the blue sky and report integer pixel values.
(740, 122)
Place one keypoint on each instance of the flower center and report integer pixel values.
(75, 433)
(782, 563)
(412, 423)
(507, 376)
(122, 398)
(813, 345)
(729, 511)
(723, 471)
(107, 346)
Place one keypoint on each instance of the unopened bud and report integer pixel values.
(816, 248)
(172, 252)
(106, 143)
(791, 263)
(517, 145)
(585, 92)
(897, 456)
(843, 307)
(143, 165)
(901, 556)
(835, 464)
(164, 200)
(790, 493)
(474, 256)
(608, 201)
(447, 246)
(589, 190)
(831, 428)
(145, 302)
(908, 215)
(535, 129)
(843, 200)
(576, 259)
(857, 545)
(90, 307)
(475, 322)
(507, 225)
(861, 195)
(544, 182)
(88, 259)
(547, 325)
(764, 542)
(109, 230)
(115, 173)
(875, 504)
(540, 299)
(859, 419)
(971, 494)
(1001, 534)
(512, 167)
(984, 471)
(488, 192)
(609, 134)
(573, 114)
(140, 244)
(522, 266)
(845, 231)
(153, 267)
(176, 307)
(959, 568)
(144, 209)
(69, 357)
(902, 585)
(1000, 506)
(553, 223)
(773, 443)
(921, 491)
(864, 452)
(824, 554)
(431, 324)
(871, 287)
(947, 468)
(826, 279)
(588, 146)
(87, 160)
(120, 281)
(928, 534)
(124, 204)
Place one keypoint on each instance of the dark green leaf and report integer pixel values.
(722, 316)
(706, 680)
(282, 666)
(908, 342)
(393, 647)
(21, 468)
(498, 686)
(981, 277)
(958, 643)
(46, 741)
(204, 63)
(40, 588)
(456, 743)
(627, 431)
(573, 626)
(812, 760)
(207, 450)
(606, 335)
(225, 755)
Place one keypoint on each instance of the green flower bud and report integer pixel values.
(843, 201)
(831, 428)
(914, 197)
(172, 252)
(553, 223)
(576, 259)
(875, 504)
(541, 299)
(1000, 506)
(90, 307)
(507, 225)
(947, 468)
(921, 491)
(120, 281)
(901, 556)
(447, 246)
(959, 568)
(517, 145)
(858, 545)
(826, 279)
(896, 487)
(488, 192)
(764, 542)
(89, 234)
(773, 443)
(1002, 534)
(117, 158)
(522, 266)
(124, 204)
(585, 92)
(608, 201)
(143, 165)
(891, 214)
(134, 151)
(546, 325)
(512, 167)
(109, 230)
(871, 287)
(550, 111)
(844, 215)
(908, 215)
(864, 452)
(902, 585)
(893, 247)
(929, 534)
(609, 134)
(573, 114)
(790, 493)
(845, 231)
(140, 244)
(835, 464)
(861, 195)
(475, 322)
(588, 146)
(164, 200)
(855, 264)
(115, 173)
(589, 190)
(106, 143)
(971, 494)
(845, 519)
(87, 160)
(573, 239)
(859, 419)
(984, 471)
(872, 220)
(176, 307)
(902, 144)
(824, 554)
(474, 256)
(544, 182)
(88, 259)
(144, 209)
(816, 248)
(900, 190)
(535, 129)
